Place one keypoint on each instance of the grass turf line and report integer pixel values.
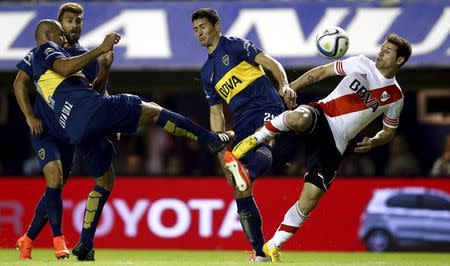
(202, 258)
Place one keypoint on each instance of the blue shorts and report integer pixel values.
(118, 114)
(98, 155)
(48, 148)
(252, 119)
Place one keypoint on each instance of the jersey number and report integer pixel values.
(268, 117)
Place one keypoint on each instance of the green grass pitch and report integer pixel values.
(187, 258)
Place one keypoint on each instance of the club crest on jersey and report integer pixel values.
(226, 60)
(385, 96)
(365, 95)
(41, 153)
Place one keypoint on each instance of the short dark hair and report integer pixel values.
(403, 46)
(70, 7)
(211, 14)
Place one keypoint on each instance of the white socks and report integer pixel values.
(293, 219)
(271, 128)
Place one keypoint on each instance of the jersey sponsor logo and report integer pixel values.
(237, 79)
(229, 85)
(65, 112)
(41, 153)
(365, 95)
(226, 60)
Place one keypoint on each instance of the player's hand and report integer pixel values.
(289, 96)
(106, 59)
(35, 125)
(228, 176)
(109, 41)
(364, 146)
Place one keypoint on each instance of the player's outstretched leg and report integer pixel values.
(267, 132)
(179, 125)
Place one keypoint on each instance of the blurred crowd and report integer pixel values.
(385, 3)
(153, 152)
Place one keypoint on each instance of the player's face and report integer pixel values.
(205, 31)
(72, 25)
(57, 36)
(387, 57)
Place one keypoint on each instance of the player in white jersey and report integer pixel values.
(368, 90)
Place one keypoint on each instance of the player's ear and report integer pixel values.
(47, 35)
(400, 60)
(217, 26)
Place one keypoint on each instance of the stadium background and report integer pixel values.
(170, 77)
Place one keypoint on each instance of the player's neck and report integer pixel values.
(388, 73)
(214, 44)
(69, 45)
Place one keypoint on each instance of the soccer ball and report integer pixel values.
(332, 42)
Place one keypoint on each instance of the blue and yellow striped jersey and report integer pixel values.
(71, 98)
(231, 75)
(40, 107)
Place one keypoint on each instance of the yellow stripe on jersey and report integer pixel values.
(49, 81)
(237, 79)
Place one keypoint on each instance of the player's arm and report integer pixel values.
(290, 97)
(20, 85)
(217, 121)
(314, 75)
(217, 118)
(105, 61)
(71, 65)
(382, 137)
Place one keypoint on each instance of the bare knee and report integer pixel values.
(300, 119)
(149, 113)
(106, 181)
(309, 198)
(53, 174)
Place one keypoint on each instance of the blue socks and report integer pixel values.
(251, 223)
(54, 208)
(179, 125)
(94, 206)
(259, 160)
(39, 220)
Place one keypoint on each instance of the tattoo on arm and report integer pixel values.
(311, 79)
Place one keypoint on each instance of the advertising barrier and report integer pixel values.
(159, 35)
(197, 213)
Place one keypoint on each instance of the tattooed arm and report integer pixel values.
(313, 76)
